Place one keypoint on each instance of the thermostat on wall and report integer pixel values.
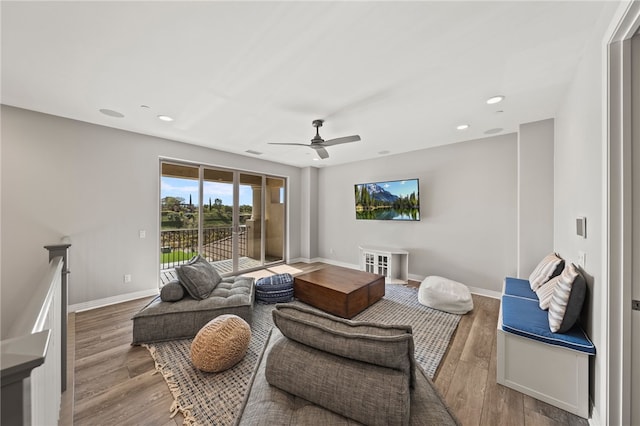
(581, 226)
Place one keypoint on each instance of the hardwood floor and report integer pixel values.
(115, 383)
(467, 378)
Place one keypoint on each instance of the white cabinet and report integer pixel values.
(390, 262)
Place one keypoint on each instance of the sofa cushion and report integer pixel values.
(525, 318)
(567, 300)
(550, 266)
(519, 287)
(172, 291)
(384, 345)
(367, 393)
(198, 277)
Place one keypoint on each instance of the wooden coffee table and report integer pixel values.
(340, 291)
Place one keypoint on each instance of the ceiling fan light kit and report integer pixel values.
(318, 144)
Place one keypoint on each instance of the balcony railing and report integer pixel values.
(179, 245)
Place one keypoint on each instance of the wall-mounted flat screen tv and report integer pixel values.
(390, 200)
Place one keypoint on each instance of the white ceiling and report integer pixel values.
(236, 75)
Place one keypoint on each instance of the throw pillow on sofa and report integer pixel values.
(548, 268)
(172, 291)
(366, 393)
(567, 300)
(388, 346)
(198, 277)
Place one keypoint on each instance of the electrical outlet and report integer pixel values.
(582, 259)
(142, 233)
(127, 278)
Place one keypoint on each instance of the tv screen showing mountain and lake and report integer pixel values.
(390, 200)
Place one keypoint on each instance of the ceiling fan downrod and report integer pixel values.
(317, 124)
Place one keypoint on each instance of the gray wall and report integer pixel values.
(467, 230)
(309, 213)
(535, 194)
(98, 186)
(580, 161)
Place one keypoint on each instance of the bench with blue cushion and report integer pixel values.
(552, 367)
(521, 315)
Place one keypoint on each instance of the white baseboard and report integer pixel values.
(484, 292)
(336, 263)
(93, 304)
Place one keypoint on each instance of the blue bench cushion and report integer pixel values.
(275, 289)
(524, 317)
(519, 288)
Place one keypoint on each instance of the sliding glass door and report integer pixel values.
(218, 219)
(235, 219)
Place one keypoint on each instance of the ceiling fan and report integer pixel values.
(319, 144)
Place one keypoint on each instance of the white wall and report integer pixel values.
(98, 186)
(535, 194)
(467, 230)
(579, 178)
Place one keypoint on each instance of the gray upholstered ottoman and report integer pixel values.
(161, 321)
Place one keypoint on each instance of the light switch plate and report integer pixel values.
(582, 259)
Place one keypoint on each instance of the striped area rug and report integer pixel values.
(215, 398)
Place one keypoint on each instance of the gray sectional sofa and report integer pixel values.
(317, 369)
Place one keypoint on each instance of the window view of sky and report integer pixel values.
(183, 188)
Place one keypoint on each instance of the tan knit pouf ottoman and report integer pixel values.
(220, 344)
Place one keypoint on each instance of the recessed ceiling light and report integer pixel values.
(145, 106)
(112, 113)
(165, 118)
(385, 152)
(493, 131)
(495, 99)
(251, 151)
(462, 127)
(316, 159)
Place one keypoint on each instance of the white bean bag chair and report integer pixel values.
(445, 295)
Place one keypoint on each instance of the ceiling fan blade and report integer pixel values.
(296, 144)
(338, 141)
(322, 153)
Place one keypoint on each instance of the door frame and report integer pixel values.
(617, 204)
